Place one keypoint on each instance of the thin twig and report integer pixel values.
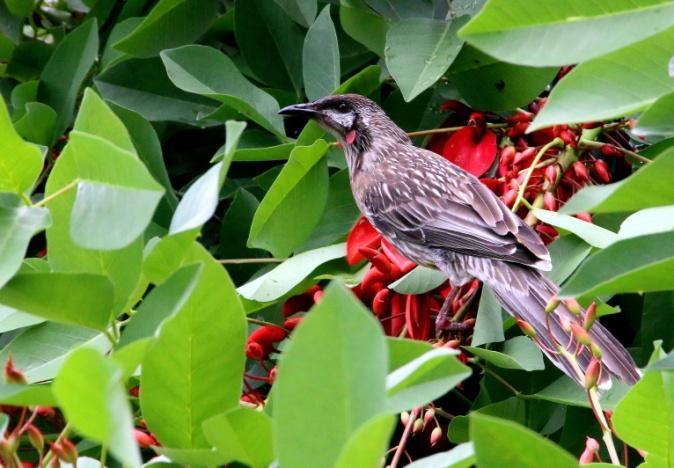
(434, 131)
(414, 414)
(58, 193)
(635, 157)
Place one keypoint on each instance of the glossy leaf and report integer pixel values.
(206, 71)
(201, 200)
(169, 24)
(324, 360)
(368, 444)
(500, 443)
(320, 57)
(363, 25)
(242, 435)
(419, 281)
(518, 353)
(61, 297)
(560, 32)
(90, 393)
(294, 203)
(638, 264)
(419, 51)
(24, 395)
(461, 456)
(17, 227)
(12, 319)
(302, 12)
(64, 73)
(489, 321)
(594, 235)
(283, 278)
(609, 89)
(198, 349)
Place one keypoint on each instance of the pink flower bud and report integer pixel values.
(590, 316)
(591, 449)
(592, 373)
(526, 328)
(429, 415)
(404, 418)
(580, 334)
(549, 201)
(12, 374)
(584, 217)
(436, 435)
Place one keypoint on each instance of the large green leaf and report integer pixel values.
(201, 200)
(518, 353)
(270, 42)
(461, 456)
(400, 9)
(206, 71)
(294, 204)
(143, 86)
(17, 226)
(363, 25)
(242, 435)
(367, 446)
(489, 321)
(566, 252)
(169, 24)
(501, 443)
(560, 32)
(644, 189)
(12, 319)
(90, 393)
(66, 70)
(302, 12)
(282, 279)
(594, 235)
(76, 298)
(488, 84)
(20, 162)
(638, 264)
(40, 351)
(604, 88)
(325, 359)
(193, 369)
(320, 57)
(419, 281)
(25, 395)
(645, 425)
(418, 52)
(655, 120)
(38, 123)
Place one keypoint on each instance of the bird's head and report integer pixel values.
(353, 119)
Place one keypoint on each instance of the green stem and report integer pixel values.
(58, 193)
(104, 456)
(240, 261)
(434, 131)
(25, 199)
(630, 155)
(527, 178)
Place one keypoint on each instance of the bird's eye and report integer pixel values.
(342, 107)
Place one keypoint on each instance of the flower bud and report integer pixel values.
(255, 351)
(429, 415)
(318, 295)
(552, 304)
(573, 306)
(611, 151)
(436, 435)
(596, 350)
(404, 418)
(549, 201)
(552, 173)
(12, 374)
(584, 217)
(35, 438)
(509, 197)
(591, 449)
(590, 316)
(592, 373)
(580, 334)
(65, 451)
(526, 328)
(418, 425)
(272, 375)
(580, 171)
(602, 172)
(380, 303)
(143, 439)
(292, 322)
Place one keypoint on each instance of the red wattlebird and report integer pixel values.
(441, 216)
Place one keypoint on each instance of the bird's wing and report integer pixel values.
(436, 204)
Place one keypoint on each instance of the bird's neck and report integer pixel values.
(371, 143)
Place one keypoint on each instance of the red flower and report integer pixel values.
(472, 148)
(362, 234)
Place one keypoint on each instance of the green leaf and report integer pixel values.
(648, 221)
(655, 120)
(566, 252)
(194, 457)
(294, 204)
(144, 87)
(461, 456)
(560, 32)
(400, 9)
(11, 319)
(200, 348)
(325, 360)
(200, 201)
(283, 278)
(644, 189)
(90, 393)
(302, 12)
(26, 395)
(242, 435)
(170, 23)
(367, 446)
(270, 42)
(17, 227)
(359, 22)
(96, 118)
(603, 88)
(20, 162)
(39, 351)
(488, 84)
(66, 70)
(38, 123)
(111, 56)
(207, 71)
(518, 353)
(21, 8)
(424, 379)
(638, 264)
(565, 391)
(419, 51)
(594, 235)
(320, 57)
(501, 443)
(419, 281)
(645, 425)
(61, 297)
(489, 322)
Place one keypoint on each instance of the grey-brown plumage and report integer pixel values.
(441, 216)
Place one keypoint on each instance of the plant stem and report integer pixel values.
(240, 261)
(50, 454)
(537, 158)
(631, 155)
(25, 199)
(104, 456)
(434, 131)
(414, 414)
(261, 322)
(58, 193)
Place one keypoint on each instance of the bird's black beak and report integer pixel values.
(306, 110)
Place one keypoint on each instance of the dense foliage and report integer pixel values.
(184, 277)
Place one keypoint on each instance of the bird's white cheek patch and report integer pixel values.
(350, 137)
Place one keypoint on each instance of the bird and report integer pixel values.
(440, 216)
